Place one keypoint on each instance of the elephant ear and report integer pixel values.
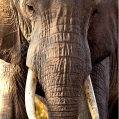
(102, 33)
(9, 33)
(14, 32)
(24, 23)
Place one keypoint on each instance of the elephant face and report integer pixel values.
(59, 31)
(59, 53)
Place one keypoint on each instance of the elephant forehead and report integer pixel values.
(71, 3)
(64, 1)
(47, 4)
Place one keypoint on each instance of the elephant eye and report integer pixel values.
(94, 12)
(30, 8)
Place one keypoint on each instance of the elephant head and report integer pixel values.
(59, 54)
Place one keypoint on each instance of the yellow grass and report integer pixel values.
(40, 112)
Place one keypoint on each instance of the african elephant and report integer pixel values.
(13, 71)
(70, 40)
(102, 39)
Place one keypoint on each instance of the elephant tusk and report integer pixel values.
(90, 96)
(30, 94)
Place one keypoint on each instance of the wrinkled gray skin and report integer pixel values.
(13, 71)
(102, 39)
(71, 39)
(82, 41)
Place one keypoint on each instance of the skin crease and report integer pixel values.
(35, 12)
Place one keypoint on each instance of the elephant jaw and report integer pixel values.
(30, 93)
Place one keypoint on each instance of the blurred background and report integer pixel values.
(40, 112)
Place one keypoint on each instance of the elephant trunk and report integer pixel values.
(61, 76)
(63, 99)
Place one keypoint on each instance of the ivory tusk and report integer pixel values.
(90, 96)
(30, 94)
